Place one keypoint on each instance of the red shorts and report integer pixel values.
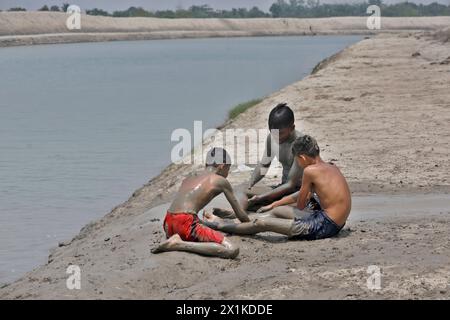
(189, 228)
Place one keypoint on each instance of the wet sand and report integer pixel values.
(379, 110)
(412, 253)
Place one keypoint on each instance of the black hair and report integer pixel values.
(305, 145)
(281, 117)
(217, 156)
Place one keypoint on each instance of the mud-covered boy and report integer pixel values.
(319, 178)
(184, 230)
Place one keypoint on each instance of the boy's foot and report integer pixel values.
(211, 220)
(168, 244)
(209, 217)
(223, 213)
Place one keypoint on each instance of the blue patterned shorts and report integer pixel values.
(315, 226)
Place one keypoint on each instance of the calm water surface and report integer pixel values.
(84, 125)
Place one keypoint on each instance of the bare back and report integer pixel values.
(332, 188)
(196, 192)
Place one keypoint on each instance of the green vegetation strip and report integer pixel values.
(242, 107)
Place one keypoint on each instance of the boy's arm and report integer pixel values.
(261, 168)
(292, 198)
(305, 189)
(294, 179)
(229, 194)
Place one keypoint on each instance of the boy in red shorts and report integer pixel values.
(184, 230)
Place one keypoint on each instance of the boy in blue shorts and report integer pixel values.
(321, 181)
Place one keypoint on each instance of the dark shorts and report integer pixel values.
(315, 226)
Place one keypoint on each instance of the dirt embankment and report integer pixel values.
(27, 28)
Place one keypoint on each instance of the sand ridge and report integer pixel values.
(28, 28)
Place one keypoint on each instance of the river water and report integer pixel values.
(84, 125)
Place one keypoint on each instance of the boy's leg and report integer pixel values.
(242, 196)
(263, 224)
(229, 214)
(224, 213)
(224, 250)
(288, 212)
(257, 190)
(245, 194)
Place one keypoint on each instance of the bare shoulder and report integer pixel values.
(220, 182)
(187, 179)
(332, 166)
(312, 170)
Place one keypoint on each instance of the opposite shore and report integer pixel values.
(379, 110)
(31, 28)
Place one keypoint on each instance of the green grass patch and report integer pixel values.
(242, 107)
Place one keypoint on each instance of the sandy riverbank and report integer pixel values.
(380, 109)
(27, 28)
